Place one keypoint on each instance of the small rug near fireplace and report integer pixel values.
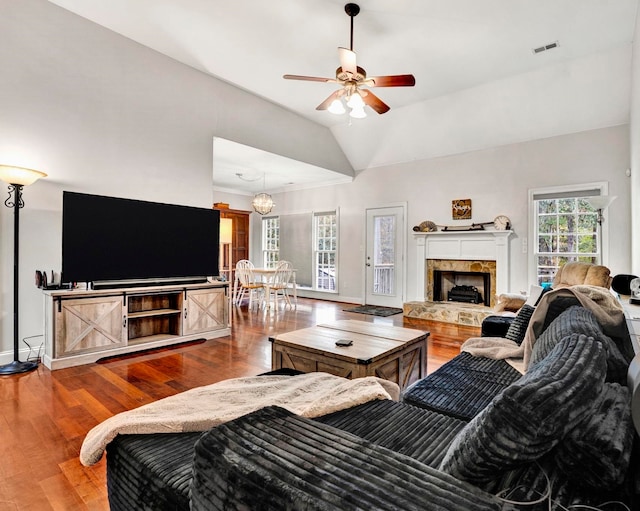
(375, 310)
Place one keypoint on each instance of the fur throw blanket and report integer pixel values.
(202, 408)
(598, 300)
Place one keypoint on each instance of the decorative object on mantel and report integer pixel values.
(461, 209)
(500, 223)
(426, 226)
(17, 177)
(472, 227)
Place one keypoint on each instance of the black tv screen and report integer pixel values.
(114, 239)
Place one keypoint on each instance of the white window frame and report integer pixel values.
(268, 261)
(316, 253)
(601, 186)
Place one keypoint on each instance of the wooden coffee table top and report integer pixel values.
(370, 341)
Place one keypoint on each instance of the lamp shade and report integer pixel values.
(19, 175)
(226, 230)
(600, 201)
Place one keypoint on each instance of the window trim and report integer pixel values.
(602, 186)
(263, 240)
(336, 252)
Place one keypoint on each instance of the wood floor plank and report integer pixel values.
(45, 415)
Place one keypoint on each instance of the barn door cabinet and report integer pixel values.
(85, 326)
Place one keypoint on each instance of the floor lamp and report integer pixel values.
(17, 177)
(600, 203)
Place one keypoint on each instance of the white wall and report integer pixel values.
(496, 180)
(102, 114)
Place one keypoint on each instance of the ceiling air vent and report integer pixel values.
(546, 47)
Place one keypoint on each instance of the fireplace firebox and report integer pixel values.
(462, 286)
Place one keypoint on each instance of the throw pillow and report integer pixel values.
(556, 306)
(597, 452)
(529, 418)
(518, 326)
(509, 302)
(577, 319)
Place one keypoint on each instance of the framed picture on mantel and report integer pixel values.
(461, 209)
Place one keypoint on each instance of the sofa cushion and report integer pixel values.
(463, 386)
(273, 460)
(577, 319)
(596, 453)
(579, 273)
(496, 326)
(519, 325)
(422, 434)
(529, 417)
(152, 471)
(509, 302)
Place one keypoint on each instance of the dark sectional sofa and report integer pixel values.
(475, 434)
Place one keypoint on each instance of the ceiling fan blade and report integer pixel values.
(375, 102)
(308, 78)
(327, 102)
(348, 61)
(393, 81)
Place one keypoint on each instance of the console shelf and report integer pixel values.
(157, 312)
(82, 326)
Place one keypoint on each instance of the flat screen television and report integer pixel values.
(109, 240)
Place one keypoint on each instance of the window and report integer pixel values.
(309, 241)
(326, 247)
(565, 229)
(270, 241)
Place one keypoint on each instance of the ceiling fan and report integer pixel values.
(353, 79)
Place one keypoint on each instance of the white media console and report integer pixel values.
(82, 326)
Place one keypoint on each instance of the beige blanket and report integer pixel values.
(199, 409)
(598, 300)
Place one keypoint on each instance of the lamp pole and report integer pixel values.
(15, 201)
(17, 177)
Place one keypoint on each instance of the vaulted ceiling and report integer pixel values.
(478, 81)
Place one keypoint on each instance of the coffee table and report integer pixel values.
(393, 353)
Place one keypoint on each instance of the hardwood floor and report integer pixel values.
(44, 415)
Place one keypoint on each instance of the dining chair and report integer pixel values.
(248, 283)
(279, 283)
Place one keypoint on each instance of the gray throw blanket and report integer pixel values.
(598, 300)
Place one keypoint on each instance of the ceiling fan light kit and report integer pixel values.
(352, 78)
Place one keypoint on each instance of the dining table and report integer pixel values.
(266, 275)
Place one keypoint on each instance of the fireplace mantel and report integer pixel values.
(463, 245)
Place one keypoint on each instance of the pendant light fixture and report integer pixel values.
(263, 202)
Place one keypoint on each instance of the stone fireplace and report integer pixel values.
(464, 258)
